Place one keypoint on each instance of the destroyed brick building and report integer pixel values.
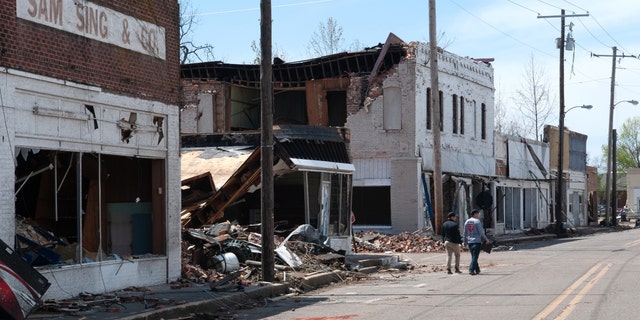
(381, 97)
(89, 141)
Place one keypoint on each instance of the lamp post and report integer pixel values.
(608, 194)
(559, 185)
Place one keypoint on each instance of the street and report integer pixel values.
(591, 277)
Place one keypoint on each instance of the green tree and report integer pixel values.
(627, 145)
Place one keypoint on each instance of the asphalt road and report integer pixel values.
(591, 277)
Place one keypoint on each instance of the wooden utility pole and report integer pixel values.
(435, 119)
(608, 194)
(266, 147)
(610, 144)
(559, 194)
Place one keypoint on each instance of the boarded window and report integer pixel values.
(392, 108)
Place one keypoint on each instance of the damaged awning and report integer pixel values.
(323, 166)
(296, 148)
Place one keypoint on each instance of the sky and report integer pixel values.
(510, 31)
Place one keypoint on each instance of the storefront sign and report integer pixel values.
(99, 23)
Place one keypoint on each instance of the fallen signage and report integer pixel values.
(21, 286)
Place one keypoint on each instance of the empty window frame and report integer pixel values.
(454, 112)
(461, 115)
(429, 117)
(483, 122)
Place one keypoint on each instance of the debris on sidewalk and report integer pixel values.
(404, 242)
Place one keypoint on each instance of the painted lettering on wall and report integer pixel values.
(87, 19)
(50, 11)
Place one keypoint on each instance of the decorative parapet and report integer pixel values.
(463, 67)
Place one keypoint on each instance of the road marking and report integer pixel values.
(632, 243)
(557, 301)
(572, 305)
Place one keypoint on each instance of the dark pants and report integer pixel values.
(474, 248)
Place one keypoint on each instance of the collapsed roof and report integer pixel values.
(294, 74)
(296, 148)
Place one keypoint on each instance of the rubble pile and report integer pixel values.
(404, 242)
(214, 254)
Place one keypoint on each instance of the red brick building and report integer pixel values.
(89, 140)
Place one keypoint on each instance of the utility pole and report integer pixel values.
(266, 143)
(614, 176)
(435, 119)
(607, 192)
(560, 232)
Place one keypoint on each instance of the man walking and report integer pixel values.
(473, 238)
(452, 240)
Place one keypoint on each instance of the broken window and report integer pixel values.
(289, 107)
(337, 108)
(500, 194)
(128, 127)
(372, 205)
(107, 205)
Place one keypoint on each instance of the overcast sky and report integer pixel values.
(510, 31)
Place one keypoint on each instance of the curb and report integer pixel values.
(257, 293)
(251, 293)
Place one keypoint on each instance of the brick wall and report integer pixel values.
(43, 50)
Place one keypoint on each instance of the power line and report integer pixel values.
(523, 7)
(592, 35)
(576, 6)
(605, 31)
(549, 4)
(495, 28)
(257, 8)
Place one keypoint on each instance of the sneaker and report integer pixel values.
(449, 271)
(458, 271)
(472, 273)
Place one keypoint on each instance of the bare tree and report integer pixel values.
(278, 54)
(327, 40)
(534, 99)
(503, 123)
(189, 50)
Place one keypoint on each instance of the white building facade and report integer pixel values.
(392, 141)
(89, 144)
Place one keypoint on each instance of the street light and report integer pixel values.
(559, 188)
(608, 199)
(584, 106)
